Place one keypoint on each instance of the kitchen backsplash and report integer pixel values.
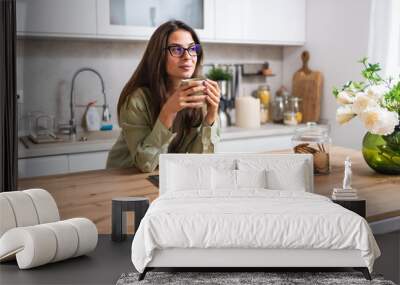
(45, 69)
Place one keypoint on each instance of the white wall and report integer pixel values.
(337, 37)
(46, 66)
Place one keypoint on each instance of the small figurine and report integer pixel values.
(347, 174)
(347, 192)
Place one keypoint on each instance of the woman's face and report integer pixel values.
(180, 67)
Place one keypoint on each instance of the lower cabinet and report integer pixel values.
(69, 163)
(61, 164)
(39, 166)
(87, 161)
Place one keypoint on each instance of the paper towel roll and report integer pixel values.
(247, 112)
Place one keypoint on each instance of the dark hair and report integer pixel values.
(151, 73)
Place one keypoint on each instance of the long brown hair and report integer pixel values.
(151, 73)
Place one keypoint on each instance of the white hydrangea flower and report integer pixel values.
(376, 92)
(345, 97)
(362, 102)
(344, 114)
(379, 121)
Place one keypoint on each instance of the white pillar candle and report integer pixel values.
(247, 112)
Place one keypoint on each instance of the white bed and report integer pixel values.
(247, 210)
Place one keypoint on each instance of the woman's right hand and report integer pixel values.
(182, 98)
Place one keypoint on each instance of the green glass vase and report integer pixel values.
(382, 153)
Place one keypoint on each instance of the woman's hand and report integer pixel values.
(182, 98)
(213, 97)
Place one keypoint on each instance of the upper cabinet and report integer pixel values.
(279, 22)
(139, 19)
(56, 17)
(261, 21)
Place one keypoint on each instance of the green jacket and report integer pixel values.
(141, 142)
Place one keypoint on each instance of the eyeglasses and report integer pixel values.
(178, 51)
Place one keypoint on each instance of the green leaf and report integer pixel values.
(363, 60)
(391, 100)
(218, 74)
(335, 92)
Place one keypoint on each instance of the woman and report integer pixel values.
(156, 113)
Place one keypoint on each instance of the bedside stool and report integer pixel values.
(120, 205)
(357, 206)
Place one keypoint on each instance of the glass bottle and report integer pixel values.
(264, 95)
(263, 114)
(277, 110)
(314, 139)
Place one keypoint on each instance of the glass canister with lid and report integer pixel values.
(314, 139)
(293, 114)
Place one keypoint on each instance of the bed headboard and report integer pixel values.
(236, 161)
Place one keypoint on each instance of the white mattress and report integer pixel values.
(250, 219)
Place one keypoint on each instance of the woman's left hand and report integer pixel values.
(213, 97)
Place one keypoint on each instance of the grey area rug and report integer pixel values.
(269, 278)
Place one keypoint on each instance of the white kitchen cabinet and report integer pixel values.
(61, 164)
(56, 17)
(254, 144)
(136, 19)
(278, 22)
(39, 166)
(229, 24)
(87, 161)
(260, 21)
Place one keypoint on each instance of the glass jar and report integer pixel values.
(314, 139)
(263, 114)
(293, 114)
(277, 110)
(263, 94)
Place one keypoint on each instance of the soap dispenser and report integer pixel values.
(106, 124)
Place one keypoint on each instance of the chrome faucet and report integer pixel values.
(106, 114)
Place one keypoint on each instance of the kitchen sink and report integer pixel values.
(64, 140)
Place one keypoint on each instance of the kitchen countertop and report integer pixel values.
(96, 141)
(270, 129)
(104, 140)
(88, 194)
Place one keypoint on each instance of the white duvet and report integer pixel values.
(250, 219)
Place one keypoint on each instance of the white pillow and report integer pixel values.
(223, 179)
(183, 177)
(251, 178)
(282, 174)
(229, 179)
(294, 180)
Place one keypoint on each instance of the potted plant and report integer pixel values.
(376, 101)
(222, 76)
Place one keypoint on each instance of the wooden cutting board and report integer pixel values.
(307, 85)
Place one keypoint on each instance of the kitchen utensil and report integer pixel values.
(307, 85)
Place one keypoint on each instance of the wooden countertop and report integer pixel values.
(88, 194)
